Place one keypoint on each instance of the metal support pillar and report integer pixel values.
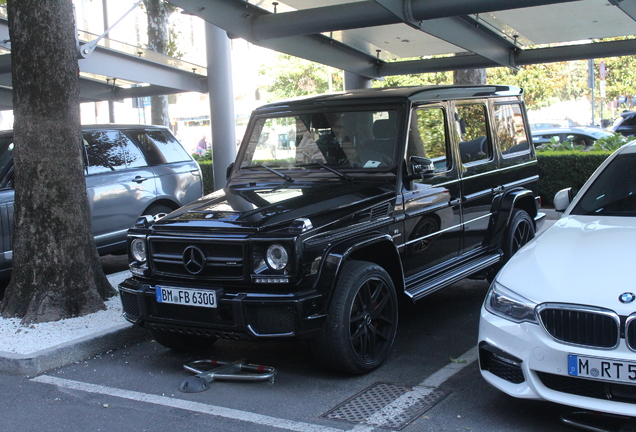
(221, 102)
(353, 81)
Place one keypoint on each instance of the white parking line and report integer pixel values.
(382, 417)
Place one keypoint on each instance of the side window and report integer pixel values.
(134, 156)
(427, 137)
(159, 147)
(472, 127)
(511, 133)
(104, 151)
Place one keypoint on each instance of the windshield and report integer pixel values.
(347, 139)
(613, 193)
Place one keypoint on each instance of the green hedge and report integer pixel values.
(558, 170)
(207, 169)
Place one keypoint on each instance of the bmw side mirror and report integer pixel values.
(562, 199)
(422, 167)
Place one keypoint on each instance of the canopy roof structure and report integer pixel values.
(369, 38)
(377, 38)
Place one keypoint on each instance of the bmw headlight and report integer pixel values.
(277, 257)
(507, 304)
(138, 249)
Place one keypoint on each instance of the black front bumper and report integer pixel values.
(237, 316)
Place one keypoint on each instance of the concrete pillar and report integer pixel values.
(353, 81)
(221, 102)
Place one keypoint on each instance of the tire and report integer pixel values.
(519, 232)
(362, 320)
(182, 342)
(157, 210)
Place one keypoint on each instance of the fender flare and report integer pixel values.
(502, 208)
(339, 253)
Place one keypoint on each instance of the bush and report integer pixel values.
(562, 169)
(207, 170)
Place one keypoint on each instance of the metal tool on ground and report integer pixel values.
(208, 370)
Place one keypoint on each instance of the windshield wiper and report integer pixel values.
(278, 173)
(328, 168)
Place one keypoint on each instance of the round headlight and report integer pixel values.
(277, 257)
(138, 249)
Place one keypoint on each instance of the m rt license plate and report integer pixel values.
(602, 369)
(186, 296)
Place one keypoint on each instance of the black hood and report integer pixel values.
(272, 206)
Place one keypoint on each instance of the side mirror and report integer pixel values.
(228, 172)
(562, 199)
(422, 167)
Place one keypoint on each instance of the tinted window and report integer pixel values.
(613, 193)
(134, 157)
(6, 161)
(105, 151)
(427, 137)
(159, 147)
(473, 131)
(511, 133)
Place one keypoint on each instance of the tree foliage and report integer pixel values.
(545, 84)
(293, 76)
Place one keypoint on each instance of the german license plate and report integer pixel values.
(186, 296)
(602, 368)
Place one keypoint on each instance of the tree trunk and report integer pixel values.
(158, 12)
(469, 76)
(56, 270)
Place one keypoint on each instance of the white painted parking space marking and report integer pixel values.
(186, 405)
(378, 419)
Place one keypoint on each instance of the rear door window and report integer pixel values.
(511, 132)
(472, 127)
(159, 147)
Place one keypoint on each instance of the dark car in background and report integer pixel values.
(374, 196)
(584, 136)
(626, 124)
(131, 170)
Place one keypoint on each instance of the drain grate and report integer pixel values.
(387, 406)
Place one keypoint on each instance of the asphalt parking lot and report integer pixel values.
(431, 382)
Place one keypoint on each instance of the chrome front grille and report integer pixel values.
(630, 332)
(222, 259)
(581, 325)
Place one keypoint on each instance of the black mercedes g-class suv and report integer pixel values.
(337, 206)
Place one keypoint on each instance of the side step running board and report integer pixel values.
(451, 276)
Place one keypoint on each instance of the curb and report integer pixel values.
(38, 362)
(71, 352)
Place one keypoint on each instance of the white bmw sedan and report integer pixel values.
(559, 320)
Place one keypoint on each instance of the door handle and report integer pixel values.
(139, 179)
(497, 189)
(454, 202)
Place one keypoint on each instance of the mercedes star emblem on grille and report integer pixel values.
(627, 297)
(193, 260)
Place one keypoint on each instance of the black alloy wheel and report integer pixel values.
(362, 321)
